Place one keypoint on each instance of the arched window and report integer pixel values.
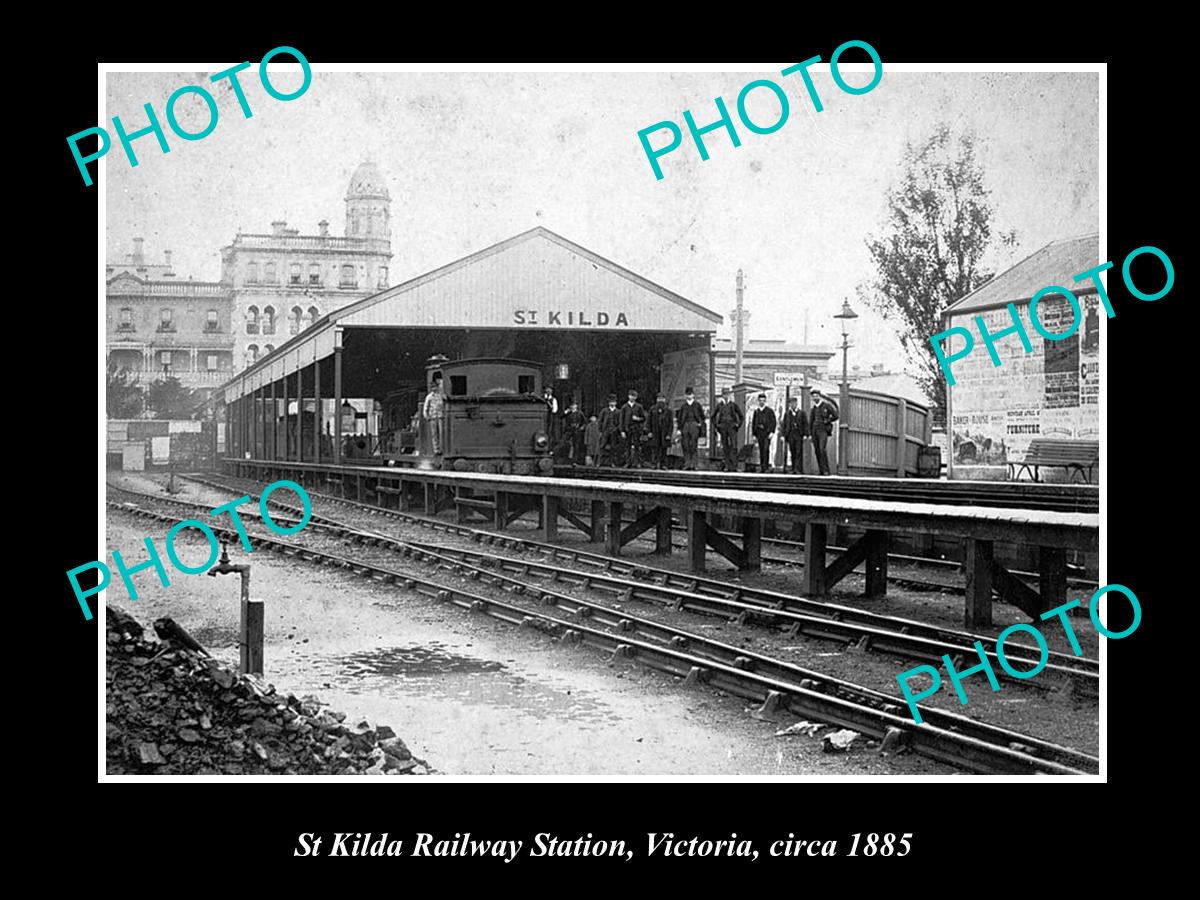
(294, 320)
(269, 348)
(294, 273)
(166, 321)
(212, 321)
(125, 322)
(252, 273)
(252, 320)
(252, 354)
(382, 277)
(349, 279)
(313, 315)
(314, 273)
(268, 326)
(270, 279)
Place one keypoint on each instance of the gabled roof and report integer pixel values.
(512, 242)
(537, 280)
(1056, 263)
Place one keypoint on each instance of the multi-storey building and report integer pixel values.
(272, 286)
(159, 325)
(284, 281)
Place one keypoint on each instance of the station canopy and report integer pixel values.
(509, 296)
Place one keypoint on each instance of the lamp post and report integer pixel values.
(846, 316)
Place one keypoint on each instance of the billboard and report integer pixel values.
(996, 411)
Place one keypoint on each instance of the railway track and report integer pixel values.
(869, 631)
(1022, 495)
(776, 684)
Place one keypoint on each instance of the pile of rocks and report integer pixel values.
(171, 710)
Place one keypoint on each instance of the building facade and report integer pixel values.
(159, 326)
(272, 286)
(284, 281)
(1053, 392)
(763, 360)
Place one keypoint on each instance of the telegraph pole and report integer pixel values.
(739, 330)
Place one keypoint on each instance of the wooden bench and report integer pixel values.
(1076, 455)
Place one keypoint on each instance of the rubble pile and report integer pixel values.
(174, 710)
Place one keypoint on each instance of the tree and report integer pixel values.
(940, 225)
(124, 399)
(171, 400)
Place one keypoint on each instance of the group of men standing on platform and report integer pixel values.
(728, 419)
(633, 436)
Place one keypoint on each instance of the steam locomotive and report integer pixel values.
(493, 419)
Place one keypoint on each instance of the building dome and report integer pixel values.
(367, 182)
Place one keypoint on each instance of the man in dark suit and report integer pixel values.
(573, 423)
(662, 428)
(610, 431)
(762, 426)
(794, 428)
(824, 414)
(633, 418)
(728, 418)
(690, 418)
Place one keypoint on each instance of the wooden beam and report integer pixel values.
(317, 411)
(614, 528)
(519, 504)
(1052, 566)
(643, 524)
(844, 564)
(550, 517)
(752, 529)
(725, 547)
(814, 559)
(877, 560)
(977, 565)
(251, 637)
(575, 520)
(501, 510)
(697, 538)
(662, 535)
(1015, 591)
(337, 405)
(597, 528)
(275, 421)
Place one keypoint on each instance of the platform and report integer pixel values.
(597, 508)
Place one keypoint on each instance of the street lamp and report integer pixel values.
(847, 315)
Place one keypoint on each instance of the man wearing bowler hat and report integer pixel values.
(633, 417)
(824, 414)
(690, 418)
(727, 417)
(762, 426)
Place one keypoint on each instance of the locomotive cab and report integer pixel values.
(493, 417)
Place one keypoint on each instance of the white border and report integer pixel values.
(104, 69)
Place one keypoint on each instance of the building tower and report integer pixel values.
(367, 205)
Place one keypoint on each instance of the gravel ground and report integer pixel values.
(452, 670)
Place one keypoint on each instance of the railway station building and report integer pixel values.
(1052, 394)
(594, 326)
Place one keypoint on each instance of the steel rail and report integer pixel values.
(874, 638)
(758, 597)
(813, 695)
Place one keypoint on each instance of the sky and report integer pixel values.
(474, 158)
